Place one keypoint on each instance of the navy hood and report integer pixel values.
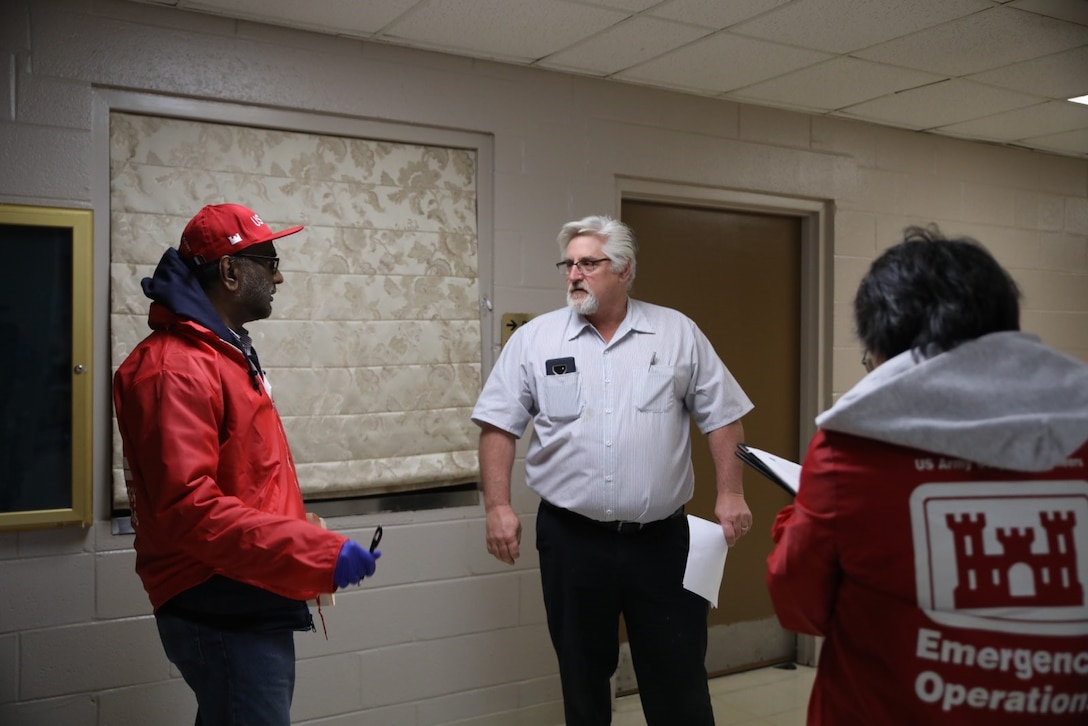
(175, 287)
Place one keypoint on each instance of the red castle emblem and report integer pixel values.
(1016, 576)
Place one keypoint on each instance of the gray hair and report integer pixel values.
(619, 241)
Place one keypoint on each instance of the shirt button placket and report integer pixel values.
(608, 455)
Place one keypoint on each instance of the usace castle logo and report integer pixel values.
(1003, 555)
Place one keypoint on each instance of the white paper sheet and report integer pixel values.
(706, 559)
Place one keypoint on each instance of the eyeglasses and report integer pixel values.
(867, 362)
(273, 263)
(585, 265)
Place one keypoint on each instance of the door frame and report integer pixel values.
(816, 216)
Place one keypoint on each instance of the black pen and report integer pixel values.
(377, 538)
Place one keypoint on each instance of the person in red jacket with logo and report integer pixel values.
(939, 538)
(223, 545)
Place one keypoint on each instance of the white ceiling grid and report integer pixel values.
(991, 70)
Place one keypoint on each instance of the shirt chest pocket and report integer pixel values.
(561, 396)
(654, 390)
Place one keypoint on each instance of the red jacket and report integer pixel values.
(949, 592)
(211, 481)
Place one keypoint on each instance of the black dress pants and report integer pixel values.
(590, 575)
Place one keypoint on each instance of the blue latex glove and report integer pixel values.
(354, 563)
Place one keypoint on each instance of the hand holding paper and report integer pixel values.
(706, 559)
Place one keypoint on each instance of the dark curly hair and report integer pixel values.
(932, 293)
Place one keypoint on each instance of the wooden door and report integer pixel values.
(738, 276)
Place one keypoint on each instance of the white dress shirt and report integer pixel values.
(611, 439)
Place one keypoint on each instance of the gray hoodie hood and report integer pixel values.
(1003, 400)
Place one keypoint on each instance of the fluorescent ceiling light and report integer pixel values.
(1080, 99)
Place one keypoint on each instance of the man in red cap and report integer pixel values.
(223, 546)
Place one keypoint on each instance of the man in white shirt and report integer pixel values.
(611, 385)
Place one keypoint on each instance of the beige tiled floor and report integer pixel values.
(763, 697)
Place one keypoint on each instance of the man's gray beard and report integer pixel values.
(589, 305)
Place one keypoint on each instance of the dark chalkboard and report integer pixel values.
(44, 369)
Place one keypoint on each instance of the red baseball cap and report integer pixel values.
(218, 230)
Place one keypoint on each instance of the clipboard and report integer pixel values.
(783, 472)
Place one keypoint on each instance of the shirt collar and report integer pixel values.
(635, 321)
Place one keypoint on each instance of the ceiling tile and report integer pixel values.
(633, 6)
(342, 18)
(622, 46)
(835, 84)
(1069, 142)
(939, 105)
(714, 13)
(1042, 119)
(990, 39)
(1075, 11)
(721, 63)
(517, 30)
(842, 27)
(1062, 75)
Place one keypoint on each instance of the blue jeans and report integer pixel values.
(239, 678)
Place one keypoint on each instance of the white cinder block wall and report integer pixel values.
(445, 634)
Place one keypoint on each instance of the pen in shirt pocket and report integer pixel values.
(653, 359)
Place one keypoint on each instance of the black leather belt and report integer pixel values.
(617, 526)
